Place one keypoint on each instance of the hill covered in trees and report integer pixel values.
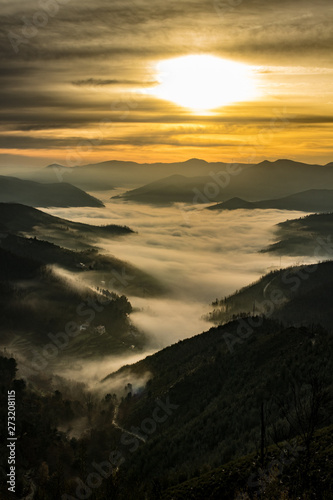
(280, 477)
(186, 428)
(308, 236)
(298, 295)
(216, 398)
(23, 220)
(47, 318)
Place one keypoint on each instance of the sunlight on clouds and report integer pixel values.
(203, 82)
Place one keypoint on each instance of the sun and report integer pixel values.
(203, 82)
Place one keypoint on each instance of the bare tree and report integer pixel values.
(303, 414)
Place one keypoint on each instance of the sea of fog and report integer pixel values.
(198, 254)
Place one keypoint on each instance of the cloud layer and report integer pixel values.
(199, 255)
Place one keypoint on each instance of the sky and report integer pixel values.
(81, 76)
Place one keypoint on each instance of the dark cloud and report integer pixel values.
(71, 143)
(98, 82)
(151, 28)
(50, 114)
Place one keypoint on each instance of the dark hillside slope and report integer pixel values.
(308, 236)
(35, 194)
(23, 220)
(216, 396)
(281, 476)
(35, 302)
(299, 295)
(90, 266)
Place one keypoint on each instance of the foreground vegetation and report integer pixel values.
(265, 411)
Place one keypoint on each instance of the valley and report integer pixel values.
(102, 309)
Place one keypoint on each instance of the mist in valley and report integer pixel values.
(196, 254)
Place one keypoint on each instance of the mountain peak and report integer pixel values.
(233, 204)
(194, 160)
(282, 162)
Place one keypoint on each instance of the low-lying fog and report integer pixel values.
(200, 255)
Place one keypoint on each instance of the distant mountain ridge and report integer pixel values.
(57, 165)
(267, 179)
(159, 192)
(220, 182)
(312, 200)
(107, 175)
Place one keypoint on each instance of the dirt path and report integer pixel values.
(115, 423)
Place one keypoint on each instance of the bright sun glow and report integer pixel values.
(202, 82)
